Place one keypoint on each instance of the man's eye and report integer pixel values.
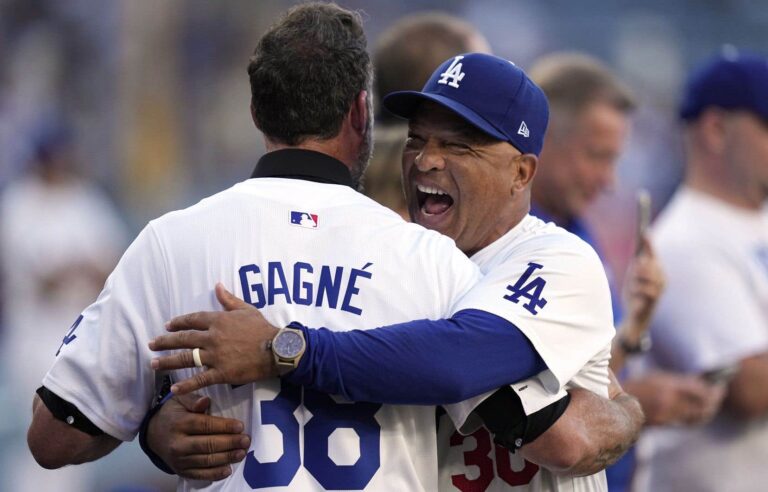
(460, 147)
(413, 142)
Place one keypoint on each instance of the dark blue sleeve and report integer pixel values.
(420, 362)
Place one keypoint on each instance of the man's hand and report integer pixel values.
(643, 286)
(669, 398)
(744, 400)
(232, 343)
(195, 445)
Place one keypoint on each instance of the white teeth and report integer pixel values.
(430, 190)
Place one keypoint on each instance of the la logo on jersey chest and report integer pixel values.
(453, 74)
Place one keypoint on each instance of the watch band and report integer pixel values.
(642, 345)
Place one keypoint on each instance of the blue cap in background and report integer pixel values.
(732, 80)
(489, 92)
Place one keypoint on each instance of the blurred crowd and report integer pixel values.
(112, 113)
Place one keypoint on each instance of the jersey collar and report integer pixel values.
(303, 164)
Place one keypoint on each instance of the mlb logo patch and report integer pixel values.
(304, 219)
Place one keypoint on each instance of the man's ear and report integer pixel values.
(525, 171)
(358, 113)
(713, 129)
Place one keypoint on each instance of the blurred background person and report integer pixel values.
(713, 320)
(59, 237)
(589, 125)
(404, 58)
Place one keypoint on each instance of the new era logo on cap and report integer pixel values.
(523, 130)
(304, 219)
(490, 93)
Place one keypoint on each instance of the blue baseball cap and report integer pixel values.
(731, 80)
(491, 93)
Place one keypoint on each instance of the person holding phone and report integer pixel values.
(712, 322)
(589, 123)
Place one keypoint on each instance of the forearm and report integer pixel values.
(54, 443)
(593, 433)
(442, 361)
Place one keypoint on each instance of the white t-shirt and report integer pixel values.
(54, 240)
(714, 313)
(322, 254)
(552, 286)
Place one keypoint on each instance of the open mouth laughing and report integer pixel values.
(433, 201)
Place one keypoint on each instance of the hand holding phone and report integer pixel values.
(643, 218)
(722, 375)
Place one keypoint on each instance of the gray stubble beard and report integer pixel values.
(366, 149)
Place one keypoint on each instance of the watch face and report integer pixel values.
(288, 344)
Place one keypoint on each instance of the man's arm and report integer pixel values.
(70, 447)
(670, 398)
(593, 433)
(85, 405)
(515, 333)
(437, 358)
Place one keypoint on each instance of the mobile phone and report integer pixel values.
(643, 217)
(722, 375)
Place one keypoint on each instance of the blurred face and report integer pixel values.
(458, 181)
(747, 150)
(56, 163)
(579, 158)
(477, 44)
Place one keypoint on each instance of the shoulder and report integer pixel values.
(690, 230)
(429, 250)
(548, 241)
(212, 212)
(563, 260)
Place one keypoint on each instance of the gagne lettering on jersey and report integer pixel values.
(301, 283)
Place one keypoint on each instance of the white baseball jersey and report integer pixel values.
(321, 254)
(552, 286)
(714, 312)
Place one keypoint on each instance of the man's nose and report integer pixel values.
(430, 157)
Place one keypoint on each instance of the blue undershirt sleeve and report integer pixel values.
(420, 362)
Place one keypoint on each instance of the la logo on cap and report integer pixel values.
(453, 72)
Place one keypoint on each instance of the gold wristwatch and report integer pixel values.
(287, 348)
